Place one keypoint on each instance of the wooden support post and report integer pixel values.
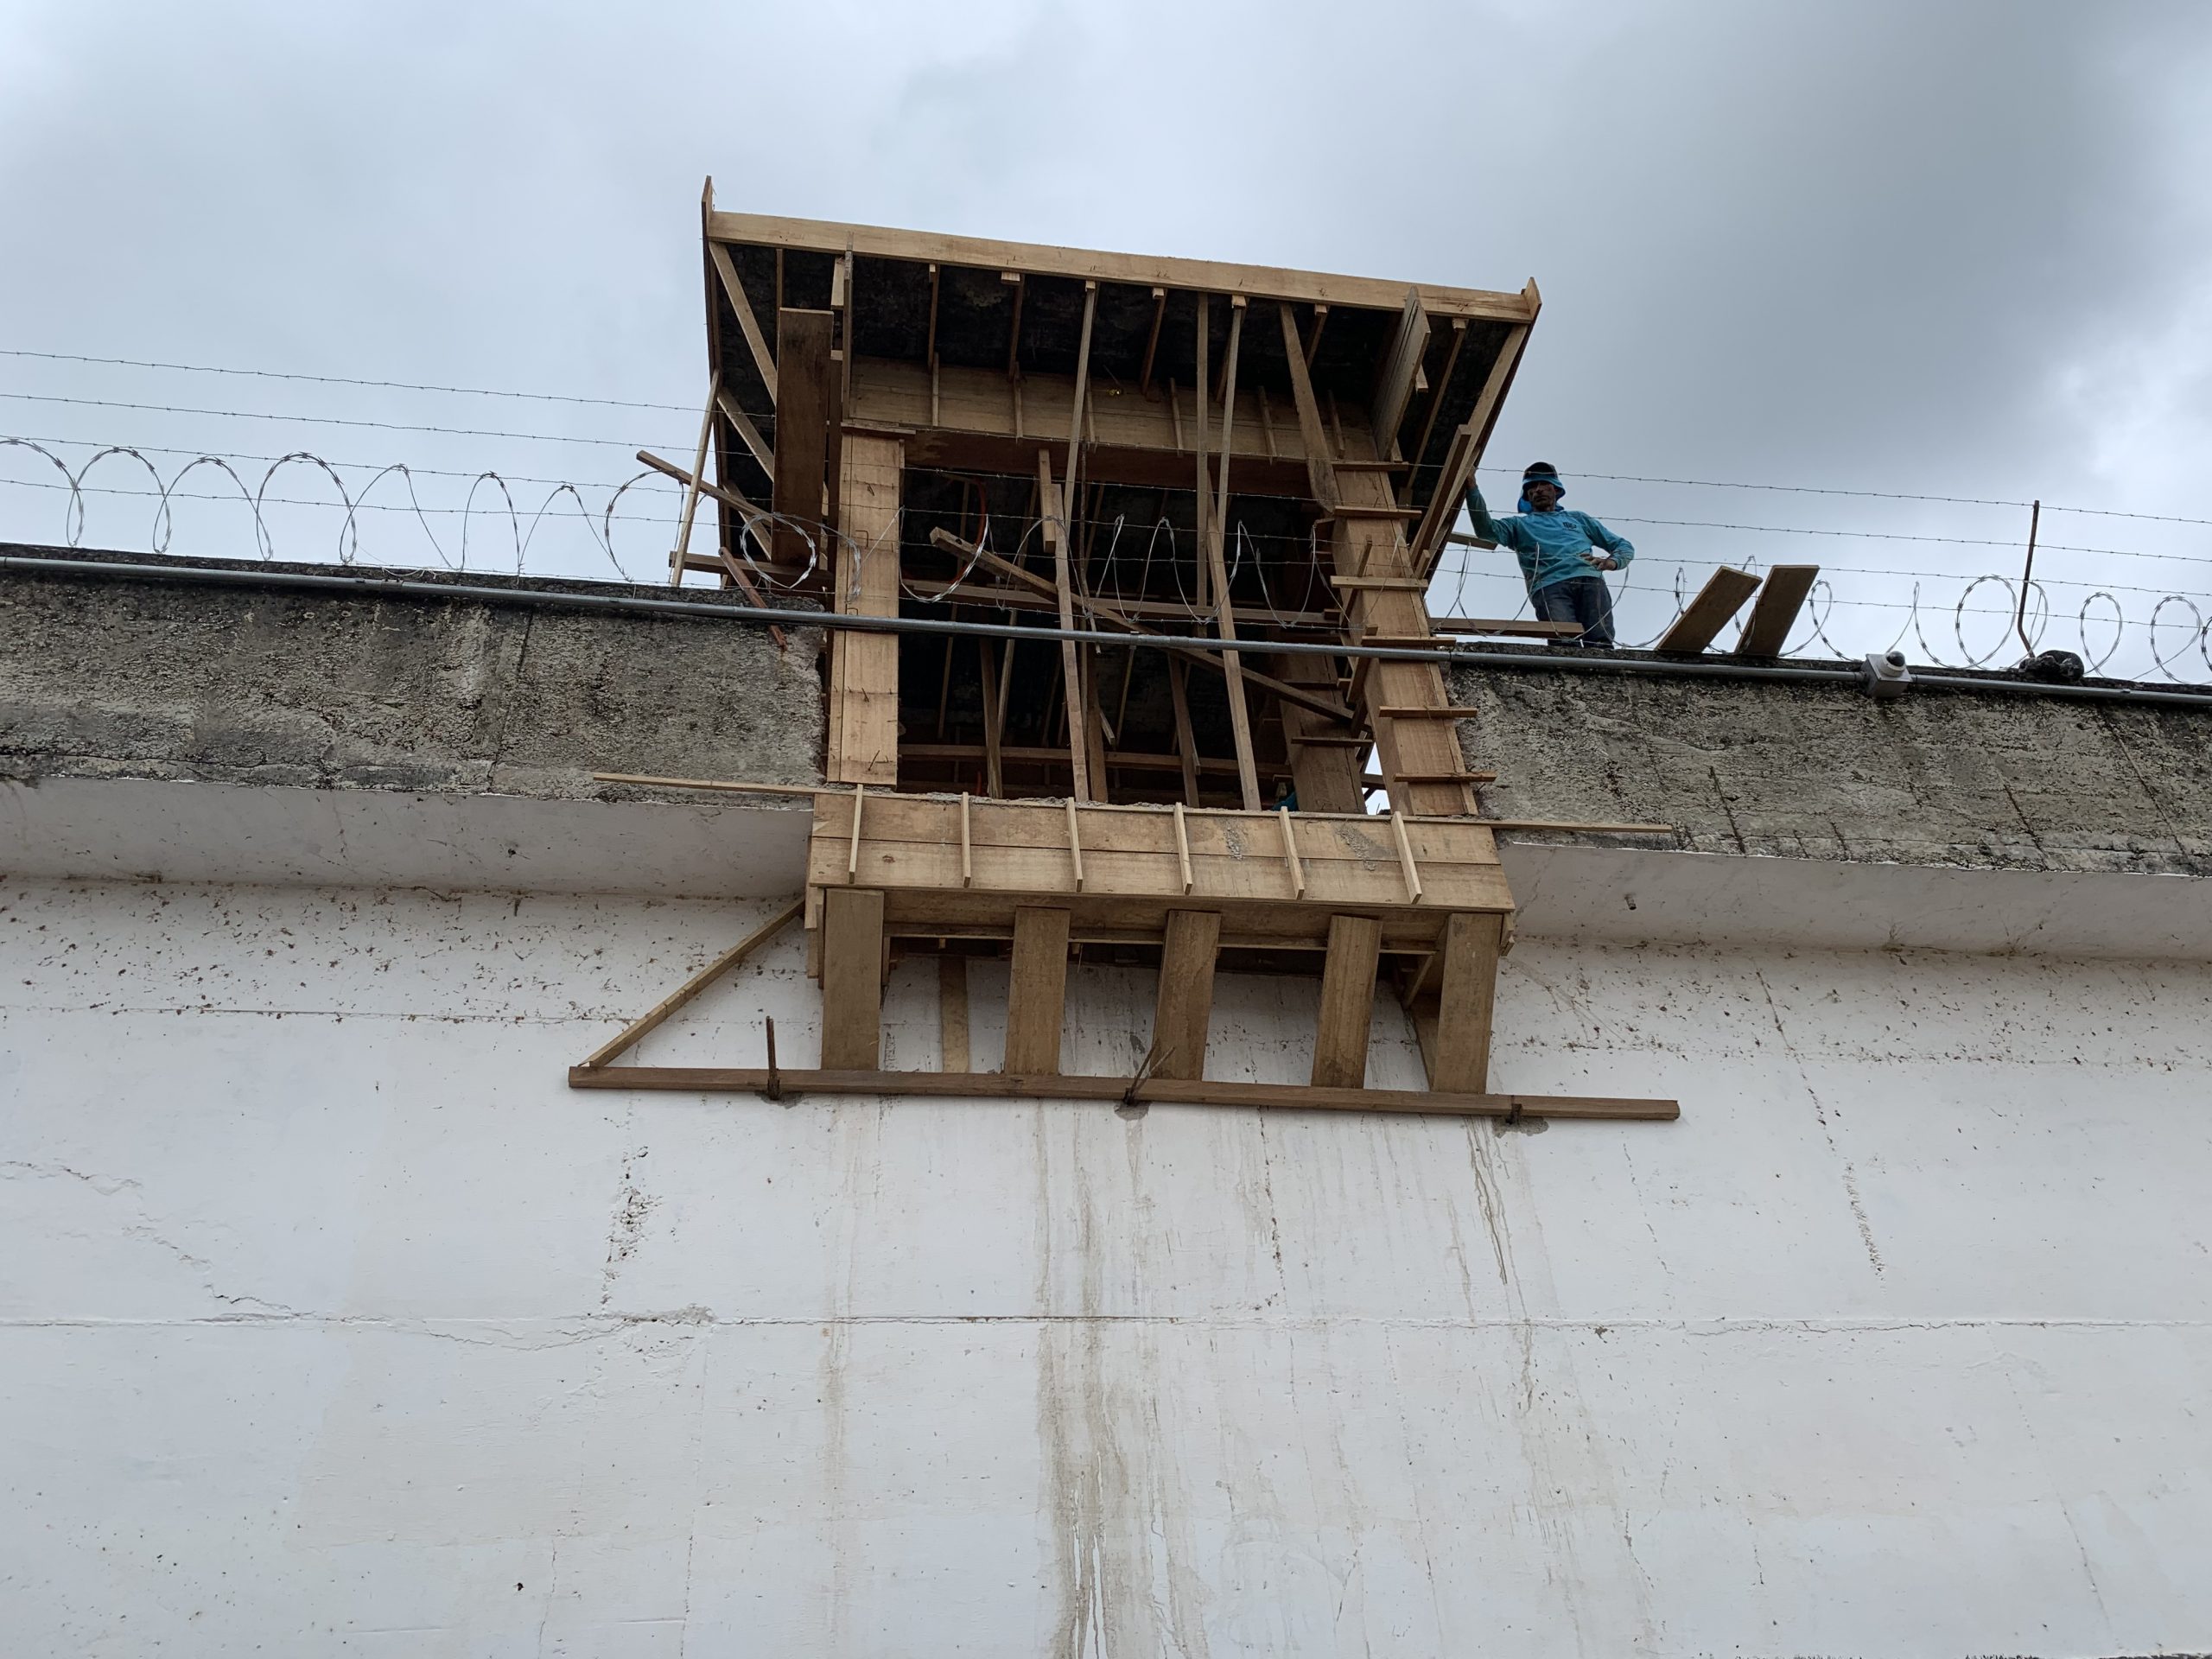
(994, 718)
(1460, 1063)
(803, 434)
(1341, 1030)
(852, 978)
(1321, 473)
(1232, 662)
(1054, 517)
(952, 1011)
(682, 548)
(748, 323)
(1187, 743)
(1465, 450)
(863, 747)
(1037, 992)
(1205, 474)
(1185, 1006)
(683, 994)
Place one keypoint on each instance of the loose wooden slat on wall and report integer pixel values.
(864, 667)
(852, 978)
(1036, 990)
(1184, 1008)
(1781, 597)
(1721, 597)
(1341, 1028)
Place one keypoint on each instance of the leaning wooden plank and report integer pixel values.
(1059, 530)
(1037, 991)
(1472, 945)
(746, 322)
(1467, 445)
(1721, 597)
(852, 978)
(1321, 475)
(1184, 1006)
(803, 435)
(1341, 1028)
(1153, 1090)
(1395, 388)
(683, 994)
(1774, 612)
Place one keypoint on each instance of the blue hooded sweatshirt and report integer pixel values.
(1549, 545)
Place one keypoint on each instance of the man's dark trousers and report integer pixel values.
(1584, 600)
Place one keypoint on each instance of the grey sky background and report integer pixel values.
(1949, 248)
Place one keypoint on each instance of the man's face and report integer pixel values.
(1543, 497)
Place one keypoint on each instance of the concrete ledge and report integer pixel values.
(137, 829)
(1634, 896)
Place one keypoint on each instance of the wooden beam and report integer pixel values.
(1153, 1090)
(1054, 516)
(1721, 597)
(1472, 944)
(1232, 662)
(994, 715)
(1036, 990)
(1394, 387)
(852, 978)
(1186, 744)
(1774, 612)
(1341, 1028)
(1436, 400)
(1505, 628)
(682, 548)
(1184, 1008)
(952, 1011)
(864, 746)
(683, 994)
(748, 324)
(1142, 270)
(1321, 476)
(1151, 340)
(1466, 451)
(743, 423)
(802, 436)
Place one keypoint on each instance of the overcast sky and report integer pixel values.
(1955, 249)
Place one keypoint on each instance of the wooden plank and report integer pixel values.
(1721, 597)
(1774, 612)
(683, 994)
(994, 715)
(1142, 271)
(1466, 1003)
(1384, 584)
(1184, 1007)
(1321, 477)
(802, 436)
(1407, 867)
(679, 553)
(1054, 514)
(952, 1011)
(1467, 449)
(1394, 387)
(1183, 846)
(1341, 1028)
(1187, 743)
(1153, 1090)
(1448, 711)
(743, 424)
(1037, 992)
(852, 978)
(1290, 855)
(1325, 750)
(1514, 627)
(748, 324)
(864, 667)
(1436, 399)
(1232, 662)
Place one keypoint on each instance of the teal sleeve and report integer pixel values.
(1505, 533)
(1622, 548)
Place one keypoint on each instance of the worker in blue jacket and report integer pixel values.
(1561, 553)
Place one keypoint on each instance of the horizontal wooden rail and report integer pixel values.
(1180, 1091)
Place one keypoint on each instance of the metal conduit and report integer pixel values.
(628, 604)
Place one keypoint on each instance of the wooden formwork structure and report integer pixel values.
(1259, 464)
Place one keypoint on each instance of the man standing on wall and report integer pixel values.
(1561, 553)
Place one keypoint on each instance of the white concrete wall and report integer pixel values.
(332, 1322)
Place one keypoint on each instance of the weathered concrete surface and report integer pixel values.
(331, 1322)
(1981, 781)
(106, 678)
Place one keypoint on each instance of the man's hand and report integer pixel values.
(1604, 561)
